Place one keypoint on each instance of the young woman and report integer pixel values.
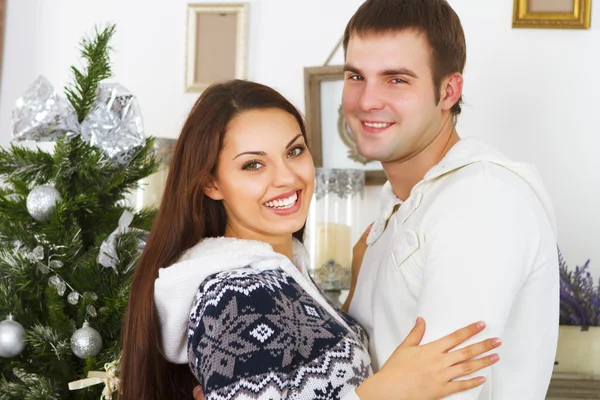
(222, 297)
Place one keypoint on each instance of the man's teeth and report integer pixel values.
(377, 124)
(283, 203)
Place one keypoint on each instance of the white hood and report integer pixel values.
(176, 286)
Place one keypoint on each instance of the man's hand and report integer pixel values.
(358, 252)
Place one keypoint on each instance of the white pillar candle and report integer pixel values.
(333, 243)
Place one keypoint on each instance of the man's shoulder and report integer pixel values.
(471, 179)
(473, 158)
(502, 195)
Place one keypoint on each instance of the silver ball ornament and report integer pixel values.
(41, 202)
(11, 338)
(86, 342)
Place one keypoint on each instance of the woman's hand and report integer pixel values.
(198, 393)
(358, 252)
(427, 372)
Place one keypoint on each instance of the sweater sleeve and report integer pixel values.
(239, 342)
(480, 246)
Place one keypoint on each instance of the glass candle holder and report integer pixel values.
(333, 227)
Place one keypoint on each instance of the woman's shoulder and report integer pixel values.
(247, 286)
(246, 277)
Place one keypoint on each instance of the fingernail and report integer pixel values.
(494, 357)
(480, 325)
(481, 379)
(497, 342)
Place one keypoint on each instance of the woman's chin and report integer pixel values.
(286, 228)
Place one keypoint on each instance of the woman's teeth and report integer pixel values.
(283, 203)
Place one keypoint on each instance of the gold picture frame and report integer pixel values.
(313, 78)
(552, 14)
(217, 44)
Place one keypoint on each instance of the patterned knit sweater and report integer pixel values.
(259, 328)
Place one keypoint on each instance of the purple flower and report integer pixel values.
(579, 297)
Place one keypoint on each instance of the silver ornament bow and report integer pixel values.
(113, 124)
(107, 256)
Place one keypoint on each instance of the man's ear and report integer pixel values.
(451, 90)
(211, 189)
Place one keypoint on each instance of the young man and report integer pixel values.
(464, 233)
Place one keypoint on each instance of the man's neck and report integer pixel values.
(404, 175)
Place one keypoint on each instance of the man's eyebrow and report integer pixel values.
(350, 68)
(399, 71)
(385, 72)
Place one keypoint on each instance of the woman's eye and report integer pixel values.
(252, 166)
(296, 151)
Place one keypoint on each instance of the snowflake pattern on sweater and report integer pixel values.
(257, 334)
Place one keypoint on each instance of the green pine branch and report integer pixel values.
(22, 164)
(29, 387)
(82, 92)
(93, 185)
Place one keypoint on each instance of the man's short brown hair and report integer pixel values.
(435, 18)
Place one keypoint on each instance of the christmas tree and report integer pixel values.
(69, 241)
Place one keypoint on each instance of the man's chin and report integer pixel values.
(370, 152)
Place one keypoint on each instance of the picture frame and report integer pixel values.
(552, 14)
(315, 96)
(217, 44)
(2, 29)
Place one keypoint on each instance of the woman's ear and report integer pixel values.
(211, 189)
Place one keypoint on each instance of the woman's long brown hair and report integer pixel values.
(186, 215)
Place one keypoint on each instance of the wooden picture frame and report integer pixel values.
(2, 29)
(313, 79)
(554, 14)
(217, 44)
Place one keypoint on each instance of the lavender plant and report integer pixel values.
(579, 298)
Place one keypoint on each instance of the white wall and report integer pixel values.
(534, 94)
(528, 92)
